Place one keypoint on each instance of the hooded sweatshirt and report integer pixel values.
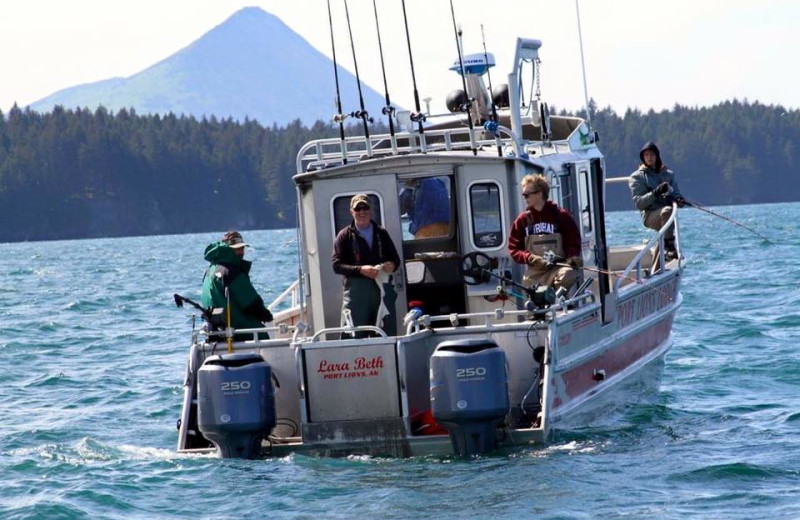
(228, 269)
(644, 180)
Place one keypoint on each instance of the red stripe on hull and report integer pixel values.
(580, 379)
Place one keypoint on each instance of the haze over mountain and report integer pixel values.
(252, 65)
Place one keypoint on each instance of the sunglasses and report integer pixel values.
(361, 207)
(527, 194)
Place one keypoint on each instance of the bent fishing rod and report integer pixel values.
(693, 204)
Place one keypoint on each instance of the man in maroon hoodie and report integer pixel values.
(545, 237)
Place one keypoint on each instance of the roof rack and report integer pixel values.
(327, 153)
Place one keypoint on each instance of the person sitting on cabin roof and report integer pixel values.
(364, 254)
(545, 237)
(654, 188)
(230, 270)
(427, 205)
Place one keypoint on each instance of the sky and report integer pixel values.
(638, 53)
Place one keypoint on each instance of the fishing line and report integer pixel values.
(363, 112)
(693, 204)
(388, 110)
(491, 95)
(468, 104)
(339, 117)
(419, 117)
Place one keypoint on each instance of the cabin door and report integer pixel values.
(332, 209)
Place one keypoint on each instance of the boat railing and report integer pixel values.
(325, 153)
(635, 266)
(282, 330)
(292, 293)
(415, 322)
(347, 330)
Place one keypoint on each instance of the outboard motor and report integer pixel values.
(236, 403)
(469, 392)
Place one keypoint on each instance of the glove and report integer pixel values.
(662, 189)
(537, 261)
(268, 316)
(681, 202)
(551, 259)
(575, 261)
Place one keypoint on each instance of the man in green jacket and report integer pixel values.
(229, 269)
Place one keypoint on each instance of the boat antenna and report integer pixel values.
(339, 117)
(468, 104)
(388, 110)
(491, 96)
(418, 116)
(363, 112)
(583, 67)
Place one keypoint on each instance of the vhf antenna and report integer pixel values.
(468, 104)
(339, 117)
(388, 110)
(363, 112)
(418, 117)
(491, 94)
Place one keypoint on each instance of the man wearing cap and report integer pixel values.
(654, 188)
(229, 269)
(363, 251)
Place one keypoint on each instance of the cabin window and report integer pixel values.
(341, 211)
(425, 207)
(585, 201)
(486, 215)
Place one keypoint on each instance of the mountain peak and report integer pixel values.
(251, 65)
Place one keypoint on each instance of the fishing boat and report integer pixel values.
(479, 361)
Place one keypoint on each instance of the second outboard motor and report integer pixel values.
(236, 403)
(469, 392)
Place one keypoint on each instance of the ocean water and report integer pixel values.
(93, 352)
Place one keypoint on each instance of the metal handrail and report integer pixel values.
(659, 237)
(293, 290)
(328, 152)
(360, 328)
(414, 324)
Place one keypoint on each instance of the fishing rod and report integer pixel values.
(491, 96)
(388, 110)
(693, 204)
(468, 104)
(418, 116)
(363, 112)
(339, 117)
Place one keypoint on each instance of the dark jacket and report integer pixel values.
(644, 180)
(227, 269)
(350, 250)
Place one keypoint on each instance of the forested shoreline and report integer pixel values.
(79, 173)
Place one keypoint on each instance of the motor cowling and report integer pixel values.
(469, 393)
(236, 403)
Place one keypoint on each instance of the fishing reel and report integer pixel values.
(476, 267)
(362, 114)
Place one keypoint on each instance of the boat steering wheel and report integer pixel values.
(474, 268)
